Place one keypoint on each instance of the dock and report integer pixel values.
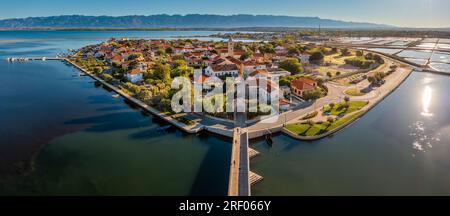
(252, 153)
(241, 178)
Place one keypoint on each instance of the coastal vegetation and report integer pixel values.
(310, 128)
(292, 65)
(366, 61)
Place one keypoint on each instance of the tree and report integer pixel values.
(107, 77)
(292, 65)
(98, 70)
(145, 95)
(316, 57)
(293, 50)
(133, 88)
(132, 65)
(134, 56)
(346, 99)
(312, 94)
(179, 63)
(330, 119)
(246, 55)
(182, 71)
(267, 48)
(162, 72)
(345, 52)
(169, 50)
(160, 52)
(331, 105)
(329, 74)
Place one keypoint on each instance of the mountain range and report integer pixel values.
(180, 21)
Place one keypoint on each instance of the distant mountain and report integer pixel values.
(179, 21)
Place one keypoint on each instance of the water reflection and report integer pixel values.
(427, 95)
(424, 137)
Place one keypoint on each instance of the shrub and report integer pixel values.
(310, 115)
(316, 57)
(292, 65)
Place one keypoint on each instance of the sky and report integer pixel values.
(401, 13)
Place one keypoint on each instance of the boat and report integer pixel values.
(163, 128)
(116, 96)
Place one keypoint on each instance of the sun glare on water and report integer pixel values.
(427, 96)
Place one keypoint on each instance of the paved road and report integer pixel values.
(334, 95)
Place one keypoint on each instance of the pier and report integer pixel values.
(241, 178)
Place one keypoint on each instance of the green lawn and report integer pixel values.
(354, 92)
(344, 120)
(304, 129)
(339, 108)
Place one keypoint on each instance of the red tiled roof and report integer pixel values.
(117, 58)
(257, 72)
(135, 71)
(303, 83)
(224, 67)
(233, 60)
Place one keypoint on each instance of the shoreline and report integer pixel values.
(361, 113)
(196, 128)
(186, 128)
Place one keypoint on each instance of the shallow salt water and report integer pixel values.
(415, 54)
(440, 66)
(440, 57)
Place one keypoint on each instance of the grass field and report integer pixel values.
(354, 92)
(309, 130)
(340, 108)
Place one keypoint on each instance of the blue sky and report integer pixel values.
(405, 13)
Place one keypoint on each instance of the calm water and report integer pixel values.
(48, 43)
(80, 140)
(402, 147)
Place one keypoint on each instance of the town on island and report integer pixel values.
(306, 89)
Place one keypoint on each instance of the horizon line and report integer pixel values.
(228, 15)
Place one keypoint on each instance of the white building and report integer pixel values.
(135, 75)
(222, 70)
